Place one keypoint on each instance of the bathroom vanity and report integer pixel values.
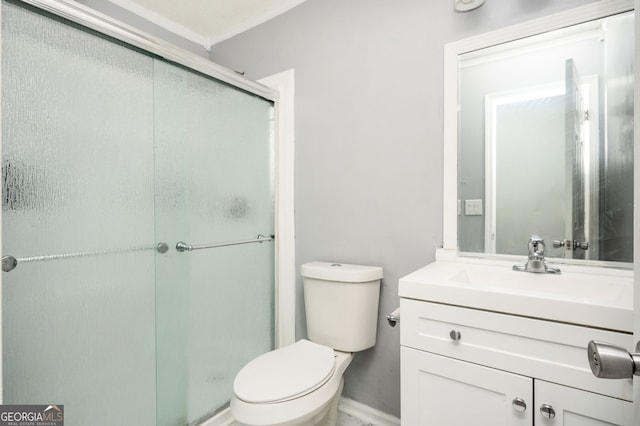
(482, 344)
(485, 345)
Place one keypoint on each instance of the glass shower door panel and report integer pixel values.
(214, 168)
(77, 162)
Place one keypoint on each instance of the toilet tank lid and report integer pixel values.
(341, 272)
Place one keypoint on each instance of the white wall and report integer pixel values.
(369, 78)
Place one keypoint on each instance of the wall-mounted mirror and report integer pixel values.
(544, 136)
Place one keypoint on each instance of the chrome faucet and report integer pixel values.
(536, 262)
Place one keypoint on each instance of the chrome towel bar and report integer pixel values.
(181, 246)
(9, 262)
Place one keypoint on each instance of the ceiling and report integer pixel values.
(207, 22)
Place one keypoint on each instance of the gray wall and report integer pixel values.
(369, 139)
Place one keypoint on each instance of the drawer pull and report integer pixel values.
(547, 411)
(455, 335)
(519, 404)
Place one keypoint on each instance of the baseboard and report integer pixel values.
(346, 405)
(366, 413)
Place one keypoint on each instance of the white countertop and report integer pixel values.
(596, 299)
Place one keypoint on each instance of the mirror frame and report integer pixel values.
(452, 51)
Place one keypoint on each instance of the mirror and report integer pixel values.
(545, 141)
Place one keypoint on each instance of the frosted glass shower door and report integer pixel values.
(78, 311)
(107, 152)
(214, 183)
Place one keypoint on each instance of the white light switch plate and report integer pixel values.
(473, 207)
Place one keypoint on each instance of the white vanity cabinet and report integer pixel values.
(438, 390)
(464, 366)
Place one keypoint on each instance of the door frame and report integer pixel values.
(285, 303)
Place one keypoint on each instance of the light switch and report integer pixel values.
(473, 207)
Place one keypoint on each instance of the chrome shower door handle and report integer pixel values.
(181, 246)
(613, 362)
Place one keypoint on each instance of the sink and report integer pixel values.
(596, 298)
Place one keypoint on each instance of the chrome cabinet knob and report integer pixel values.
(547, 411)
(519, 404)
(455, 335)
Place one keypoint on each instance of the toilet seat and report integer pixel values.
(299, 410)
(285, 374)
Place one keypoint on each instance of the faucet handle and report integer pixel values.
(536, 245)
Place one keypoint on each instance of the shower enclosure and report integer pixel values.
(111, 157)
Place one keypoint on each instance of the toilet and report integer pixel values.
(301, 384)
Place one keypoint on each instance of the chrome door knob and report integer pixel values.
(612, 362)
(519, 404)
(547, 411)
(584, 245)
(571, 244)
(455, 335)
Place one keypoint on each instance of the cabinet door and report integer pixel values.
(442, 391)
(574, 407)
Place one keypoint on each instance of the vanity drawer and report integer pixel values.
(541, 349)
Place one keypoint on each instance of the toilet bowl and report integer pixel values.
(301, 384)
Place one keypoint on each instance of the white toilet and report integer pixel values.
(301, 384)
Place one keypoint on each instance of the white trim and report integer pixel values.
(366, 413)
(163, 22)
(453, 50)
(104, 24)
(285, 309)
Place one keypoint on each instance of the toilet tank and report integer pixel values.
(341, 303)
